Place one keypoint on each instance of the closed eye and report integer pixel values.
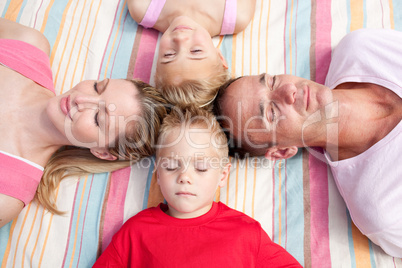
(273, 115)
(97, 119)
(169, 54)
(96, 87)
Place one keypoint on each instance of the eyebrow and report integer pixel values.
(262, 79)
(262, 108)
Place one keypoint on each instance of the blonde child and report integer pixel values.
(192, 230)
(189, 67)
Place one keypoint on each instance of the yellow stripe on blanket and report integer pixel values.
(13, 10)
(361, 247)
(155, 195)
(356, 14)
(46, 16)
(114, 40)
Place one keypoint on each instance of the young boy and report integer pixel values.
(192, 230)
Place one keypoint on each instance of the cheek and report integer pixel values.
(210, 185)
(163, 45)
(202, 36)
(54, 112)
(80, 133)
(287, 127)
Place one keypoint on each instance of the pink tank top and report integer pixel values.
(19, 177)
(228, 23)
(229, 17)
(153, 12)
(27, 60)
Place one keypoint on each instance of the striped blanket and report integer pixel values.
(295, 200)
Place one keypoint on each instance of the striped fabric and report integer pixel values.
(295, 200)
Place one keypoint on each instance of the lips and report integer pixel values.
(184, 194)
(307, 97)
(182, 27)
(65, 106)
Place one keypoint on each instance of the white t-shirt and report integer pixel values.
(371, 183)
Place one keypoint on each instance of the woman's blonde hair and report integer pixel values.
(139, 141)
(199, 93)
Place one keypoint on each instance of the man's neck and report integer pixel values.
(366, 114)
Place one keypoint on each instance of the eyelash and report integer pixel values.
(196, 50)
(273, 82)
(96, 119)
(273, 114)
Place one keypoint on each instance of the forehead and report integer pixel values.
(184, 68)
(122, 100)
(242, 109)
(184, 141)
(123, 97)
(242, 101)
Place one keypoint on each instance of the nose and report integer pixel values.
(181, 37)
(288, 93)
(184, 178)
(84, 101)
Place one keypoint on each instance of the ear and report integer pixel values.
(225, 64)
(276, 153)
(225, 175)
(103, 154)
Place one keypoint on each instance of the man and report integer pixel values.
(358, 124)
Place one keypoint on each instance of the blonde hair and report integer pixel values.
(139, 142)
(192, 116)
(199, 93)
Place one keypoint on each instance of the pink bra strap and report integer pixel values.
(153, 12)
(229, 17)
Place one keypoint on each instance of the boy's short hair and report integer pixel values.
(191, 117)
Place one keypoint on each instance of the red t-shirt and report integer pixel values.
(221, 238)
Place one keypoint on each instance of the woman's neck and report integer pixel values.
(40, 132)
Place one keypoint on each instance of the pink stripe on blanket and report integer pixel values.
(145, 55)
(323, 39)
(114, 215)
(319, 201)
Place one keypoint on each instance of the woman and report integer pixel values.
(189, 67)
(103, 121)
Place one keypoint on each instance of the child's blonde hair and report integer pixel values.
(199, 93)
(191, 117)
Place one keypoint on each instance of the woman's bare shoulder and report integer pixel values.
(13, 30)
(245, 13)
(138, 8)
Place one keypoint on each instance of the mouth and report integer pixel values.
(185, 194)
(307, 97)
(182, 27)
(66, 106)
